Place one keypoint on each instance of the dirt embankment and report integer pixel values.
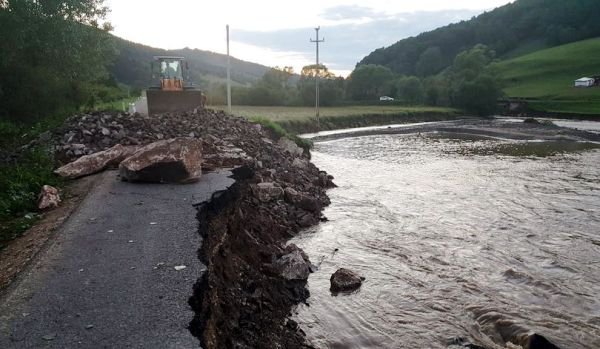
(245, 297)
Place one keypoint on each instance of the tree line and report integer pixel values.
(470, 83)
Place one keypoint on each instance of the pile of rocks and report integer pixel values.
(86, 134)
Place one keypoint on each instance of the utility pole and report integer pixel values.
(317, 41)
(228, 74)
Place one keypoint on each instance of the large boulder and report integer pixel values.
(345, 280)
(90, 164)
(49, 198)
(293, 266)
(176, 160)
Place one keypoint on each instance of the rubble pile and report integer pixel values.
(253, 279)
(89, 133)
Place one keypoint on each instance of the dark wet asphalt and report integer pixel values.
(108, 279)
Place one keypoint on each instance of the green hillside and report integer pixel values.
(546, 77)
(132, 65)
(517, 28)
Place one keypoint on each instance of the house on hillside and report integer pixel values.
(585, 82)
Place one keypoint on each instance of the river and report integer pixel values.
(461, 240)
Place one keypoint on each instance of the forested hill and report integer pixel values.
(132, 65)
(517, 28)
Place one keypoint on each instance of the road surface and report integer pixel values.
(108, 280)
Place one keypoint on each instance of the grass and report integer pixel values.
(20, 183)
(308, 113)
(21, 180)
(547, 77)
(117, 105)
(296, 120)
(279, 132)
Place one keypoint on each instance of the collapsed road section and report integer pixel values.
(118, 271)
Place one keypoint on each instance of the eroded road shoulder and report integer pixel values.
(114, 276)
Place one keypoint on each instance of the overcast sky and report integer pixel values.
(277, 33)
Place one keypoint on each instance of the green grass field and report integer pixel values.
(548, 76)
(297, 120)
(308, 113)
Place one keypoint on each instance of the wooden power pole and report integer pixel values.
(317, 41)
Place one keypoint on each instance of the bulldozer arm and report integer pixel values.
(160, 101)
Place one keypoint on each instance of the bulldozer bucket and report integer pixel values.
(160, 101)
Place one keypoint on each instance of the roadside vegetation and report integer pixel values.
(44, 79)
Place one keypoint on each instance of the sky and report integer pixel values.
(278, 33)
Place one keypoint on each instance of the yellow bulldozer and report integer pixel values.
(172, 92)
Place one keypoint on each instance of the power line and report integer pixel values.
(317, 41)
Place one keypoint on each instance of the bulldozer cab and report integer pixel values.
(172, 91)
(170, 71)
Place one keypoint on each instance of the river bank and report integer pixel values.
(510, 128)
(298, 120)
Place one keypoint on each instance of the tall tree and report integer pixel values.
(409, 89)
(369, 82)
(474, 85)
(52, 53)
(331, 88)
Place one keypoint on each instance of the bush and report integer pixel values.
(20, 184)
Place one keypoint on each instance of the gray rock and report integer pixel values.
(290, 146)
(292, 266)
(301, 200)
(90, 164)
(268, 191)
(300, 163)
(345, 280)
(175, 160)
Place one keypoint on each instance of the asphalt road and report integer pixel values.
(108, 279)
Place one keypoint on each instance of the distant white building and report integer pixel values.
(584, 82)
(385, 98)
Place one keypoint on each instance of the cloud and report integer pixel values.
(345, 12)
(347, 43)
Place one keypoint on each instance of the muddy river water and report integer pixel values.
(460, 241)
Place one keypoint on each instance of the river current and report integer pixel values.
(460, 240)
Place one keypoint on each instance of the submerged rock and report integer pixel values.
(175, 160)
(345, 280)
